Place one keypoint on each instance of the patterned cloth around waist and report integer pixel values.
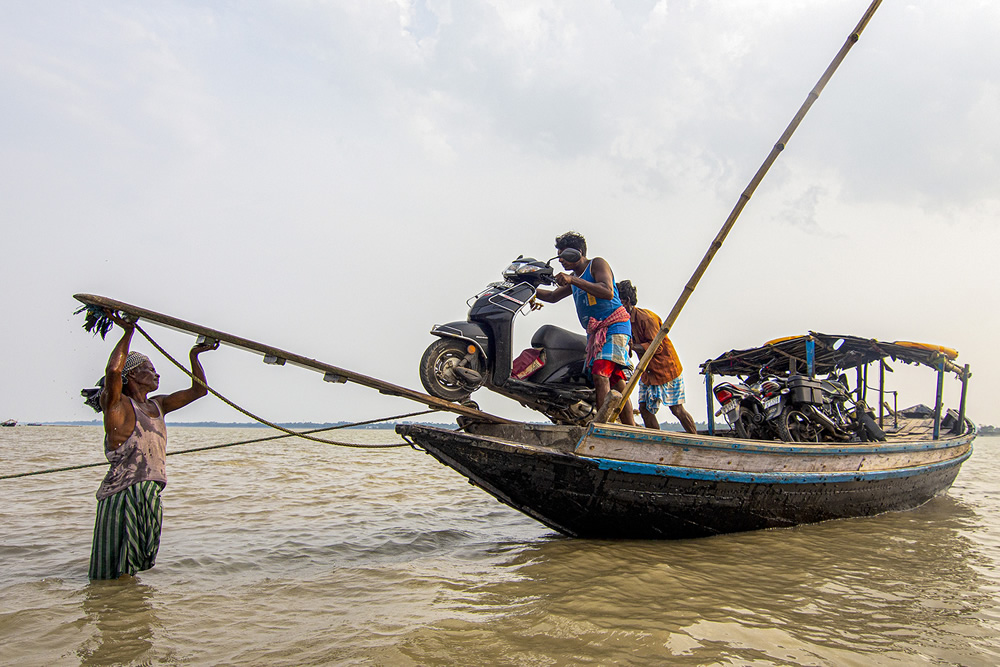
(615, 350)
(597, 336)
(671, 393)
(127, 531)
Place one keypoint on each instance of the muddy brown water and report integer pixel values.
(297, 553)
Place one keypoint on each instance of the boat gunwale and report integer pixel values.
(964, 441)
(799, 477)
(704, 441)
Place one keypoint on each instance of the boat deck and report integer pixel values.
(901, 427)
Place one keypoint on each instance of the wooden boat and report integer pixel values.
(616, 481)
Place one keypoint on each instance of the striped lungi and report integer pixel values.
(615, 350)
(127, 531)
(668, 393)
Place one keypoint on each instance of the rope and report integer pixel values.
(250, 414)
(292, 434)
(288, 433)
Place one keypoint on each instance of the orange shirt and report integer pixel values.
(665, 364)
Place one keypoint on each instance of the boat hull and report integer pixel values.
(749, 487)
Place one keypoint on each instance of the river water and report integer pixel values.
(299, 553)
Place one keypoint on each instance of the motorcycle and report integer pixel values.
(478, 352)
(803, 409)
(742, 407)
(789, 406)
(852, 416)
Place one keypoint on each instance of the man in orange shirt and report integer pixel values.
(662, 381)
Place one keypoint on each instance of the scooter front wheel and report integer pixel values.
(437, 369)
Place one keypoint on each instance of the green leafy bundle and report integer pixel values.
(96, 320)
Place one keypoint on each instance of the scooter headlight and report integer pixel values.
(512, 270)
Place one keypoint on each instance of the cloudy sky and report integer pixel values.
(334, 177)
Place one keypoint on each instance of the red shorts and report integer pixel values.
(608, 369)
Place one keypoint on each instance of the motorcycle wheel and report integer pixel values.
(744, 426)
(437, 373)
(794, 426)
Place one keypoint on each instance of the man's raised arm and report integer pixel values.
(179, 399)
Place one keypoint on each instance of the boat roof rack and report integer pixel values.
(830, 352)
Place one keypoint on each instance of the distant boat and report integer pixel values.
(9, 422)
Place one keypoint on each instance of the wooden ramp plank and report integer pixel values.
(268, 351)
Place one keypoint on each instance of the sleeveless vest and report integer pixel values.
(140, 458)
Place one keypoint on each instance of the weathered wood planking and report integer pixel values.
(726, 454)
(711, 485)
(334, 373)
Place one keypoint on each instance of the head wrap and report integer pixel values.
(133, 361)
(92, 396)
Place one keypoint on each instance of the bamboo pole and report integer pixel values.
(742, 202)
(939, 400)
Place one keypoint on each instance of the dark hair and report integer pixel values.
(572, 240)
(627, 292)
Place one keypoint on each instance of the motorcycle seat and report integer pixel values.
(552, 337)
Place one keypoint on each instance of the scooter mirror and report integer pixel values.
(571, 255)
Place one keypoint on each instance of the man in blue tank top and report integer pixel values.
(592, 284)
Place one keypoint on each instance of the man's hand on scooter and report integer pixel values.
(535, 304)
(563, 279)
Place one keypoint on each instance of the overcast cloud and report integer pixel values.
(333, 178)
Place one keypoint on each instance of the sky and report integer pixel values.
(333, 178)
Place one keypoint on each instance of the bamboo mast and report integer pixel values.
(741, 202)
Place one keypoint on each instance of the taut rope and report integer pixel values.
(261, 420)
(288, 434)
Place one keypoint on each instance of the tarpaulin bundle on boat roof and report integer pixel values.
(830, 352)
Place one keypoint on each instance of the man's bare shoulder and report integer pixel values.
(599, 267)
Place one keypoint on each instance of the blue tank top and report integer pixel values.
(588, 305)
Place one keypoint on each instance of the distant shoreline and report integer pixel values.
(330, 425)
(301, 425)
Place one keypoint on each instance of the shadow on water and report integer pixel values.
(126, 621)
(897, 588)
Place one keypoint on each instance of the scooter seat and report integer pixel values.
(552, 337)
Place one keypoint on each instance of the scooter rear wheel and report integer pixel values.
(437, 373)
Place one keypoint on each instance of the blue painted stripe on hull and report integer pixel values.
(772, 477)
(777, 447)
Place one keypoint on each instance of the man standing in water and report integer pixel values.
(592, 285)
(662, 381)
(129, 513)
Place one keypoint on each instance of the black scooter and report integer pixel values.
(478, 352)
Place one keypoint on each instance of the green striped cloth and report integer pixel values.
(127, 531)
